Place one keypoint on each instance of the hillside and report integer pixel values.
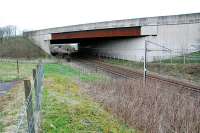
(20, 47)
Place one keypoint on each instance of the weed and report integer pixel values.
(152, 108)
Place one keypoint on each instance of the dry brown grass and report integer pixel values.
(154, 108)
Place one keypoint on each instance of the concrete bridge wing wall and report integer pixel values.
(41, 40)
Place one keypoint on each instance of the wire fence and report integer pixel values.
(31, 61)
(29, 117)
(183, 64)
(89, 73)
(154, 54)
(175, 63)
(18, 69)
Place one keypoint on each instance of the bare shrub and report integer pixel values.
(154, 108)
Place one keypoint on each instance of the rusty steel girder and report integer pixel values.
(104, 33)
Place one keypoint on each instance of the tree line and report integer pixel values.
(7, 32)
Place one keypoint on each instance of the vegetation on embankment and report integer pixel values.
(192, 58)
(66, 109)
(20, 47)
(189, 71)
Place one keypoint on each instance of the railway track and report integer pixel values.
(127, 73)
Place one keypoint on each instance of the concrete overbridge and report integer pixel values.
(126, 39)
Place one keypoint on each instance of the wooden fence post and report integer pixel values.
(34, 74)
(18, 68)
(38, 75)
(35, 79)
(29, 109)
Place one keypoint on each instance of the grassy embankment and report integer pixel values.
(20, 47)
(67, 109)
(15, 48)
(189, 71)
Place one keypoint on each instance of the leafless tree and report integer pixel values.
(7, 32)
(1, 34)
(10, 31)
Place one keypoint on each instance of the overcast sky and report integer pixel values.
(39, 14)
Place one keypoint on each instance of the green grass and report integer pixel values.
(1, 127)
(132, 64)
(8, 71)
(68, 71)
(193, 58)
(67, 110)
(59, 69)
(1, 124)
(196, 53)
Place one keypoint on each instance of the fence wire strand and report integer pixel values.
(31, 125)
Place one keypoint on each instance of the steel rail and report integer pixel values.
(127, 73)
